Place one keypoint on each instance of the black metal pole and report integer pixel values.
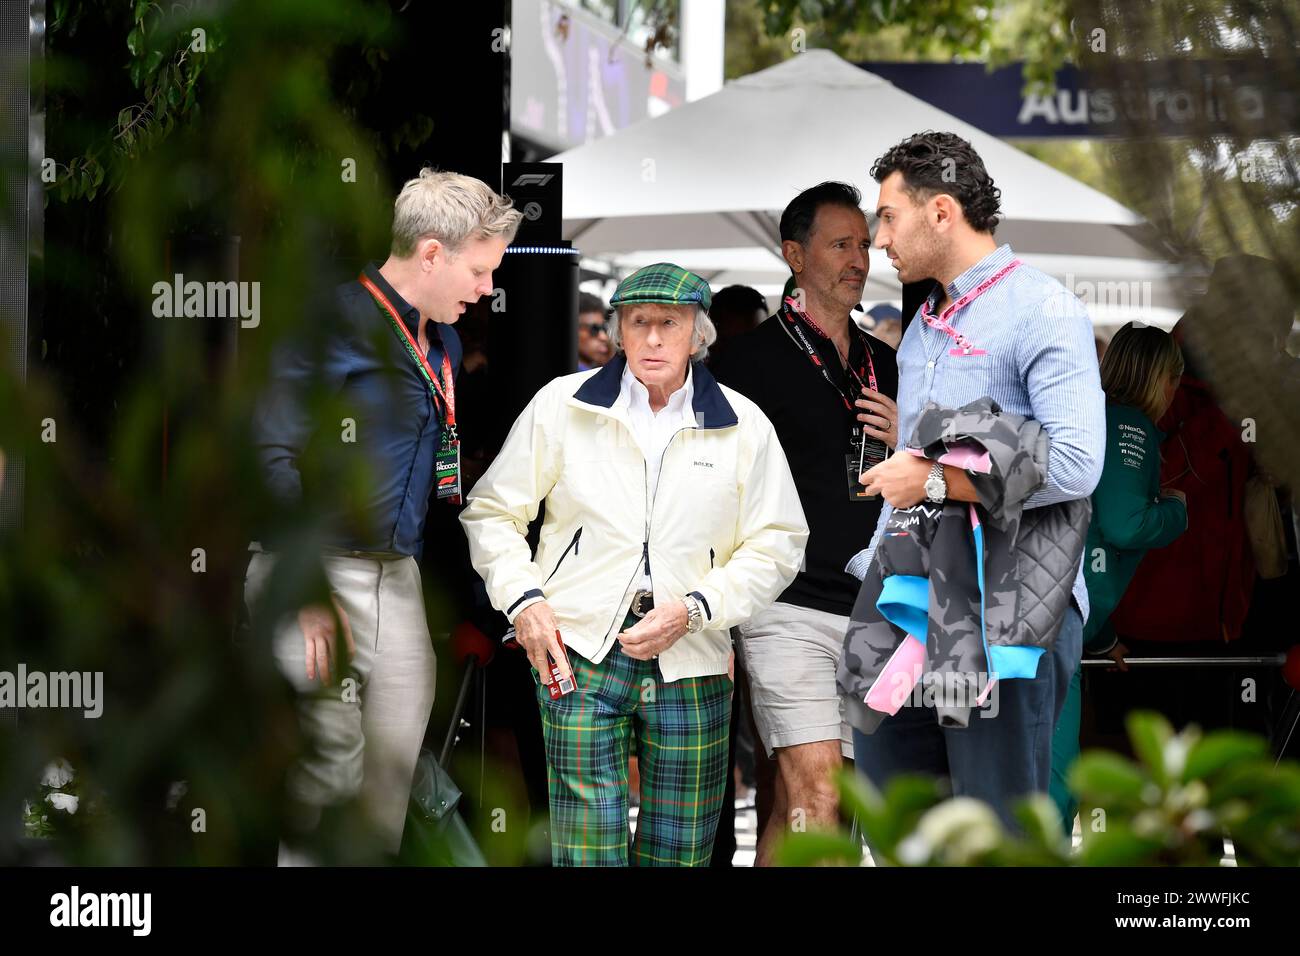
(1268, 660)
(471, 666)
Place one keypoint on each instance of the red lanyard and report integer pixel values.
(790, 311)
(942, 323)
(444, 389)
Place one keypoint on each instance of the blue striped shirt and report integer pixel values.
(1040, 363)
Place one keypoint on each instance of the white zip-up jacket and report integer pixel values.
(724, 525)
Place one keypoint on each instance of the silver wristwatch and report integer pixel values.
(936, 489)
(694, 615)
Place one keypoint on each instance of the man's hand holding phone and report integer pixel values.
(538, 634)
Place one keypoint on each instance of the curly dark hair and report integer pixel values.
(933, 163)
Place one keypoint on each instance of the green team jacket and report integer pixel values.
(1128, 517)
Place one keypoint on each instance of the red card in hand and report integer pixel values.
(557, 684)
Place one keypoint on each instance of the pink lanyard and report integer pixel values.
(942, 323)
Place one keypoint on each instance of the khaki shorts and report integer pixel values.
(790, 654)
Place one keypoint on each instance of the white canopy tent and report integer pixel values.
(704, 184)
(1116, 290)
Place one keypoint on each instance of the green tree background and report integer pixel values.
(1045, 35)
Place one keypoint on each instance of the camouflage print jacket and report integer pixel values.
(984, 587)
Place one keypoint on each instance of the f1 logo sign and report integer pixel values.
(535, 189)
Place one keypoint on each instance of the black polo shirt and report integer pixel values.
(813, 425)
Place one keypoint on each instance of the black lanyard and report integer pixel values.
(793, 320)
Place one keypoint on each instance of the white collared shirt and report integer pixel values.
(654, 430)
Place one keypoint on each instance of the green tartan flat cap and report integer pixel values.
(663, 282)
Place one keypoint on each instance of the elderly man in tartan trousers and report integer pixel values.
(671, 516)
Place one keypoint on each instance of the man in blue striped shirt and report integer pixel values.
(1020, 337)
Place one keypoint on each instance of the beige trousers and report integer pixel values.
(361, 737)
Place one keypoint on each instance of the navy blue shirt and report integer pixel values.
(355, 355)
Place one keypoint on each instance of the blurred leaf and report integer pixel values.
(1041, 824)
(1244, 780)
(1150, 734)
(817, 847)
(1219, 750)
(1118, 846)
(860, 799)
(1106, 778)
(858, 795)
(906, 801)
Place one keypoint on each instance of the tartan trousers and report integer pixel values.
(680, 731)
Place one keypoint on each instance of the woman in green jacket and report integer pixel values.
(1130, 512)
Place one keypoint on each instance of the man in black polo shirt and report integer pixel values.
(829, 390)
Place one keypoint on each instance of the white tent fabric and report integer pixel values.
(1114, 290)
(716, 173)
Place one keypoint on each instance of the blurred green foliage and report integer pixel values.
(1173, 806)
(1191, 189)
(996, 32)
(241, 146)
(163, 58)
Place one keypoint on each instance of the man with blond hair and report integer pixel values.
(386, 352)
